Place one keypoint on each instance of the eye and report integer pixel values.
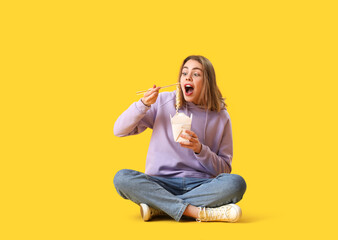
(184, 74)
(197, 74)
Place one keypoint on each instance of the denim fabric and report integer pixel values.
(172, 195)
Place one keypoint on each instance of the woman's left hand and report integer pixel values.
(193, 143)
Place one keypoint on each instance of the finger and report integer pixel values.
(190, 141)
(152, 98)
(148, 92)
(151, 91)
(191, 133)
(186, 145)
(188, 137)
(157, 89)
(185, 136)
(153, 95)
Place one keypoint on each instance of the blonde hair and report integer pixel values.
(210, 97)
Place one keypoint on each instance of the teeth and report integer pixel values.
(188, 85)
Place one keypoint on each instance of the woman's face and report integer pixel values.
(192, 81)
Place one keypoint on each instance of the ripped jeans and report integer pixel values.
(173, 195)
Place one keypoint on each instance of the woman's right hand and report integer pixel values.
(150, 96)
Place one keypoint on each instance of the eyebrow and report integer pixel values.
(195, 68)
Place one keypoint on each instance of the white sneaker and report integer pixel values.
(148, 212)
(226, 213)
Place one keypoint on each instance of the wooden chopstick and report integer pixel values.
(139, 92)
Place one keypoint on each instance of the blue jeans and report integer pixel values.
(173, 195)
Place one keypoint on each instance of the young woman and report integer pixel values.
(190, 178)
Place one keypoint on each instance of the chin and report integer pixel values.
(189, 99)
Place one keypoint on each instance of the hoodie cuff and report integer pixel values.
(203, 152)
(141, 107)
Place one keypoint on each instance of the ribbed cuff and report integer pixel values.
(141, 107)
(203, 152)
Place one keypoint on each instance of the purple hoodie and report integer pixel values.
(166, 157)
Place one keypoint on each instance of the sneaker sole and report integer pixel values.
(238, 211)
(145, 212)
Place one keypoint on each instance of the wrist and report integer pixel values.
(144, 103)
(199, 149)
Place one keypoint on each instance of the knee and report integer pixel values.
(234, 183)
(121, 178)
(239, 183)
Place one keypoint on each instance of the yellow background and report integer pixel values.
(69, 68)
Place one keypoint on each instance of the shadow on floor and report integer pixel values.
(246, 218)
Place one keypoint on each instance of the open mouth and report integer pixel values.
(189, 89)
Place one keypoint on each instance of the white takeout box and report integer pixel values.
(179, 123)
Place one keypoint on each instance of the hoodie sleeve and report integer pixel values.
(220, 162)
(137, 118)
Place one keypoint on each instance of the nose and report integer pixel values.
(188, 77)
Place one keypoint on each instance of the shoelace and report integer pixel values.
(212, 214)
(219, 213)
